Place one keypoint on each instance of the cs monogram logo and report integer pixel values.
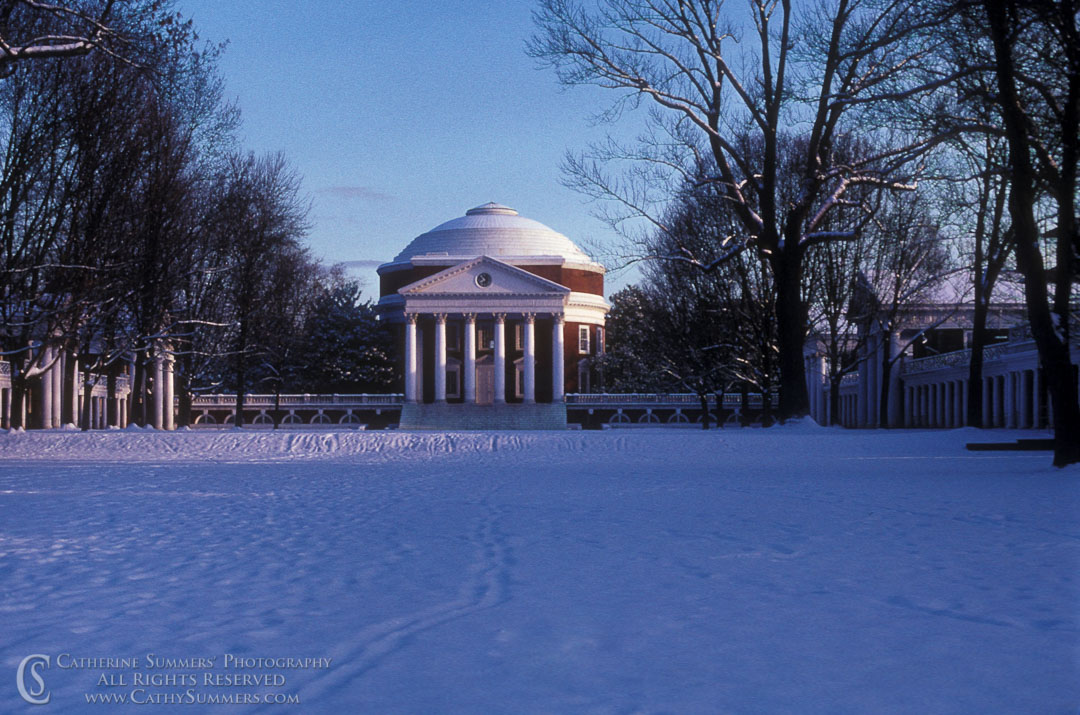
(32, 663)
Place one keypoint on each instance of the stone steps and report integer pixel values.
(449, 416)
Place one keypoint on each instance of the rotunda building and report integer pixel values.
(493, 308)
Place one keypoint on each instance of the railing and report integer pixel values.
(224, 401)
(5, 368)
(730, 400)
(960, 358)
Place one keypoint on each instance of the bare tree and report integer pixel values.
(744, 85)
(1037, 66)
(261, 217)
(38, 30)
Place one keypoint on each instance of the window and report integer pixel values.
(583, 383)
(453, 336)
(485, 338)
(599, 340)
(519, 336)
(583, 339)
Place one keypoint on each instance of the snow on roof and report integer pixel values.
(492, 230)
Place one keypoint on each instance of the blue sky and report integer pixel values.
(401, 115)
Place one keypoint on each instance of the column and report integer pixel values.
(470, 358)
(123, 413)
(167, 394)
(159, 403)
(529, 362)
(908, 399)
(995, 401)
(1023, 421)
(1010, 400)
(410, 357)
(46, 389)
(73, 398)
(57, 376)
(875, 380)
(964, 402)
(500, 357)
(440, 357)
(864, 386)
(558, 378)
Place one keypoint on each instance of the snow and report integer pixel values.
(796, 569)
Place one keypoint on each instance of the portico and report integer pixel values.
(483, 366)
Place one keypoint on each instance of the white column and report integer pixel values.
(57, 375)
(995, 401)
(157, 420)
(500, 357)
(167, 394)
(861, 403)
(470, 358)
(440, 357)
(530, 358)
(875, 380)
(895, 408)
(820, 377)
(965, 385)
(46, 390)
(558, 378)
(1010, 400)
(73, 398)
(123, 412)
(908, 407)
(410, 357)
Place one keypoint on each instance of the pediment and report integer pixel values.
(484, 276)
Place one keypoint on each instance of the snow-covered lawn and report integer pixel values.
(786, 570)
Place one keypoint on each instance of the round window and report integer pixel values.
(483, 280)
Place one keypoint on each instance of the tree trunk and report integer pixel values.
(704, 410)
(791, 335)
(886, 371)
(71, 381)
(277, 404)
(975, 366)
(18, 399)
(1053, 350)
(138, 388)
(834, 398)
(112, 411)
(88, 401)
(183, 416)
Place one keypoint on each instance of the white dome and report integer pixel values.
(492, 230)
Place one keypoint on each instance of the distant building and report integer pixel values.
(496, 316)
(927, 345)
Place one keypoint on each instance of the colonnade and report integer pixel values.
(414, 368)
(1014, 399)
(58, 396)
